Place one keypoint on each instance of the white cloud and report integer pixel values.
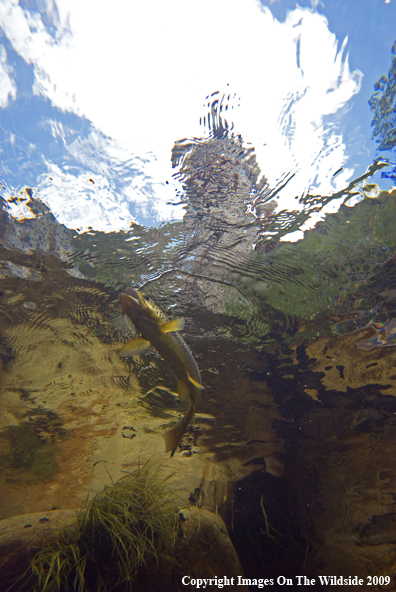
(7, 84)
(140, 72)
(89, 196)
(77, 203)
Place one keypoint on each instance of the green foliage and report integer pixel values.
(335, 259)
(383, 105)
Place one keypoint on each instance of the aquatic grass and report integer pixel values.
(277, 536)
(55, 567)
(129, 524)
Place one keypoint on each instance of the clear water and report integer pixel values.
(248, 188)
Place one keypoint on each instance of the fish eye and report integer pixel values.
(146, 297)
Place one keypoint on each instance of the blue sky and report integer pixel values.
(93, 93)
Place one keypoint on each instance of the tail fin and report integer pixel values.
(173, 436)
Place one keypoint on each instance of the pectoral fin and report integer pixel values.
(135, 347)
(195, 383)
(175, 325)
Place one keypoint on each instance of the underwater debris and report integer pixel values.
(130, 523)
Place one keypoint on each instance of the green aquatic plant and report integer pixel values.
(129, 524)
(268, 528)
(270, 532)
(286, 541)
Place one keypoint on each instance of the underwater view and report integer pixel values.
(197, 295)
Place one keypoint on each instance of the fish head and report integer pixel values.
(140, 308)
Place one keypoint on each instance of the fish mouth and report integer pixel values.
(138, 296)
(133, 293)
(131, 300)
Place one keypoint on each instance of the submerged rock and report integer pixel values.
(22, 536)
(202, 550)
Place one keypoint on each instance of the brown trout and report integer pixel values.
(161, 334)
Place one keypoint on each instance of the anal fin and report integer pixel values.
(198, 385)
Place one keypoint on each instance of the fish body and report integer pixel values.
(156, 331)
